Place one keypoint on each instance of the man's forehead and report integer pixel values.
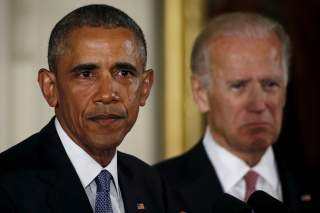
(243, 58)
(101, 45)
(230, 41)
(99, 33)
(99, 37)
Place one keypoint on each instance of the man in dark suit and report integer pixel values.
(240, 73)
(96, 83)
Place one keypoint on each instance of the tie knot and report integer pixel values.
(251, 178)
(103, 181)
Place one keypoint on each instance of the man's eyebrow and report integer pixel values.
(238, 81)
(274, 78)
(124, 65)
(89, 66)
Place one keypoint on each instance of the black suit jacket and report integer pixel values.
(193, 184)
(37, 176)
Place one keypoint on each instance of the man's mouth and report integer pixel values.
(258, 127)
(106, 119)
(257, 124)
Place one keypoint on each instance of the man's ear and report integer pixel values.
(147, 82)
(47, 83)
(200, 94)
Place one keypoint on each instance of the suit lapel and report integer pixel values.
(127, 191)
(295, 193)
(140, 186)
(129, 187)
(65, 191)
(290, 188)
(202, 187)
(204, 191)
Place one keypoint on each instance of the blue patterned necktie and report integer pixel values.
(103, 201)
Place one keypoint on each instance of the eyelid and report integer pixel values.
(130, 70)
(270, 82)
(237, 83)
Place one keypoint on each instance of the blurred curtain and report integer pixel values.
(183, 124)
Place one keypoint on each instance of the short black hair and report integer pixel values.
(95, 15)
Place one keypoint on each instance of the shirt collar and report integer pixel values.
(231, 169)
(86, 167)
(267, 168)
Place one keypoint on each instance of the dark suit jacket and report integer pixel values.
(193, 184)
(37, 176)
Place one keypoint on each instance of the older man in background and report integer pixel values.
(240, 68)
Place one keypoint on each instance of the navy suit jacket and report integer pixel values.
(37, 176)
(193, 184)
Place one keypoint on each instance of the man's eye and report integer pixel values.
(237, 85)
(125, 73)
(86, 74)
(270, 84)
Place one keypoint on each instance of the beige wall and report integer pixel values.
(25, 27)
(3, 72)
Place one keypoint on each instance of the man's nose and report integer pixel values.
(256, 100)
(106, 92)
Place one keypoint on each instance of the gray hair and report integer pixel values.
(239, 24)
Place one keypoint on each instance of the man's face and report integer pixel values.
(246, 94)
(98, 87)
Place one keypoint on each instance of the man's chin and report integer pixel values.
(260, 143)
(262, 136)
(101, 143)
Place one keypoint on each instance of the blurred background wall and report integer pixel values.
(25, 26)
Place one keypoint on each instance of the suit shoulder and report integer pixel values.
(172, 164)
(136, 169)
(177, 168)
(178, 162)
(173, 170)
(182, 167)
(20, 154)
(133, 162)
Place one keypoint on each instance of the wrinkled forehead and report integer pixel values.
(230, 40)
(234, 53)
(239, 47)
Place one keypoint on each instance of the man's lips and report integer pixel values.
(257, 124)
(106, 119)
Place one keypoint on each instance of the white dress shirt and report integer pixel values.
(231, 169)
(87, 169)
